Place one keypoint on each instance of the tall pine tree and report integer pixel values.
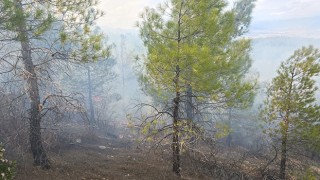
(291, 104)
(195, 54)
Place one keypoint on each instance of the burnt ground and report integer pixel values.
(123, 159)
(120, 160)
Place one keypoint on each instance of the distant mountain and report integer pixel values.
(308, 27)
(268, 53)
(273, 42)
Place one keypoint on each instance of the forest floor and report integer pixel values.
(87, 161)
(122, 159)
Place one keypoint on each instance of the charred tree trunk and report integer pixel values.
(175, 140)
(39, 155)
(176, 107)
(175, 137)
(284, 152)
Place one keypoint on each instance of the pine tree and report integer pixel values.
(291, 104)
(194, 51)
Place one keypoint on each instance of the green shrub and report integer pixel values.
(309, 175)
(7, 168)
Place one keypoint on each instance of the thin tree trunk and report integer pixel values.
(175, 137)
(229, 137)
(39, 155)
(189, 104)
(284, 152)
(90, 97)
(284, 133)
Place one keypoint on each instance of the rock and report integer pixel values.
(102, 147)
(78, 140)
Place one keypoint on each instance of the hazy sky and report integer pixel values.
(122, 14)
(286, 9)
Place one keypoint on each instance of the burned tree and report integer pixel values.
(28, 27)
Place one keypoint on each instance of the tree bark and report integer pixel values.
(284, 152)
(176, 106)
(284, 133)
(39, 155)
(189, 104)
(175, 137)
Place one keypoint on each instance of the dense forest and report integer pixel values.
(194, 91)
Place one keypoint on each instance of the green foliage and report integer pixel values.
(197, 45)
(291, 104)
(210, 60)
(311, 133)
(78, 17)
(71, 19)
(309, 175)
(290, 108)
(243, 10)
(7, 168)
(223, 130)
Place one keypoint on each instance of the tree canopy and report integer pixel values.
(201, 42)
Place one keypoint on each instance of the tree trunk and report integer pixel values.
(229, 137)
(90, 97)
(39, 155)
(175, 140)
(176, 106)
(175, 137)
(189, 104)
(284, 152)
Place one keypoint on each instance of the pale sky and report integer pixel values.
(122, 14)
(285, 9)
